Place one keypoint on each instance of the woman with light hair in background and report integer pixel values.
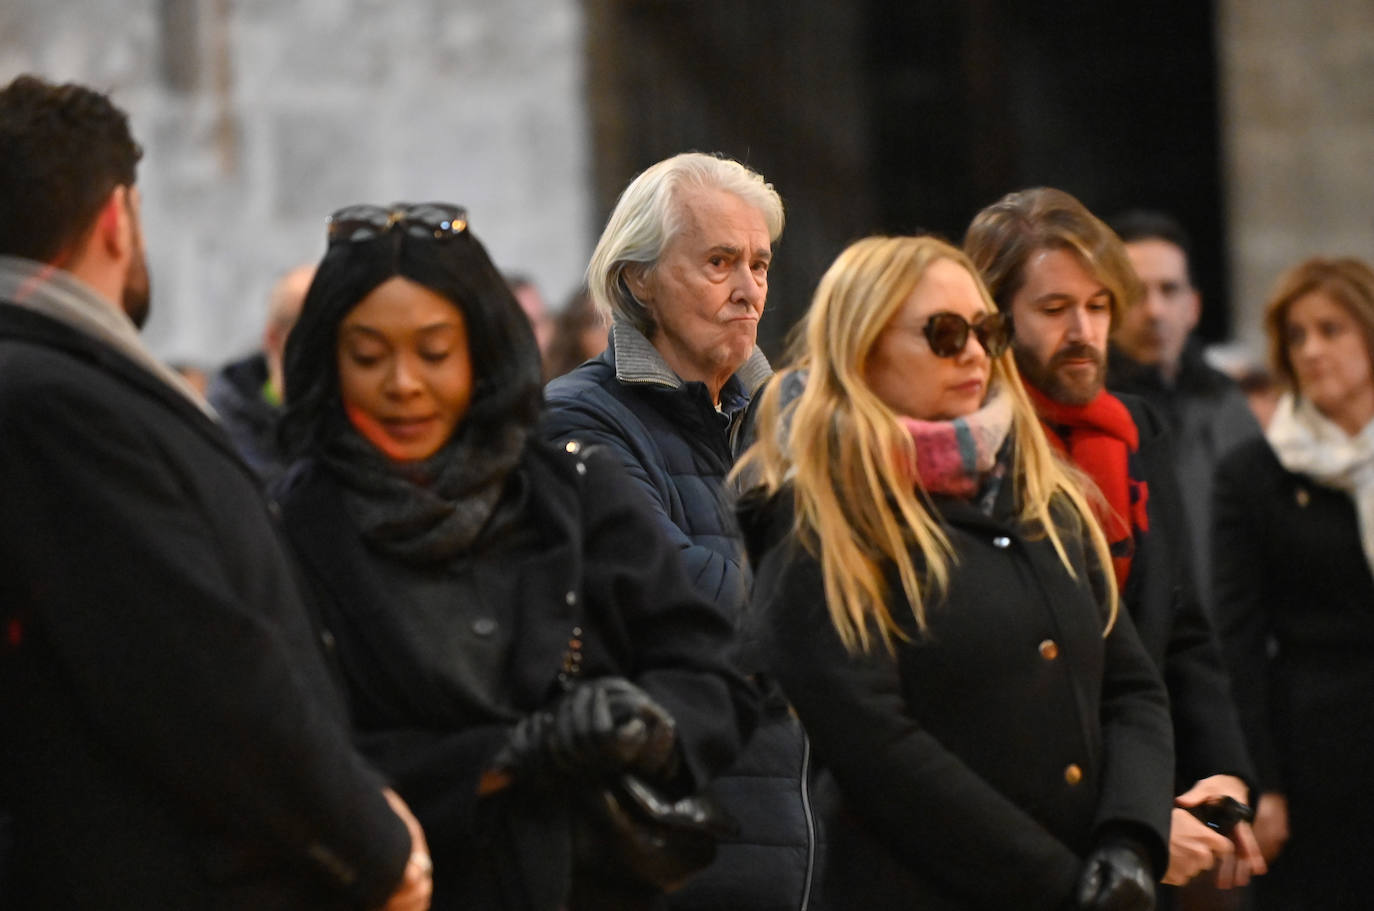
(930, 593)
(1294, 539)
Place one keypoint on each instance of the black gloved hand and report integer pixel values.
(599, 727)
(1116, 878)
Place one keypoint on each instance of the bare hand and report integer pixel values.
(1193, 848)
(1271, 824)
(414, 891)
(1235, 866)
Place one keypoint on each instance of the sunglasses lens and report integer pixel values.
(947, 334)
(357, 223)
(994, 332)
(435, 219)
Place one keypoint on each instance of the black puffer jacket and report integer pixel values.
(679, 450)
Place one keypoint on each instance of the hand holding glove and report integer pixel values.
(599, 727)
(1116, 878)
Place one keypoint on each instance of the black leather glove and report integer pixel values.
(1116, 878)
(599, 727)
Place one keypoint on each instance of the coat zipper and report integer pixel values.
(810, 821)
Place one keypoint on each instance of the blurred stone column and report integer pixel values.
(1298, 110)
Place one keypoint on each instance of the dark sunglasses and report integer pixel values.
(429, 220)
(948, 333)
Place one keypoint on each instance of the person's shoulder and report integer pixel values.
(592, 378)
(1149, 422)
(1250, 460)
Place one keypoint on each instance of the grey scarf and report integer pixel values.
(61, 296)
(430, 511)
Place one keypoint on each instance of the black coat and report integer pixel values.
(977, 767)
(1295, 609)
(585, 555)
(171, 738)
(1162, 598)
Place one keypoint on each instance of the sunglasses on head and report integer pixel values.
(948, 333)
(428, 220)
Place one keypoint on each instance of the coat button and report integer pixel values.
(571, 598)
(1001, 542)
(572, 446)
(1073, 774)
(1303, 497)
(1049, 650)
(327, 640)
(484, 626)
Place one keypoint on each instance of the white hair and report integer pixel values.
(649, 214)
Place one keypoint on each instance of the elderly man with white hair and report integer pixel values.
(681, 270)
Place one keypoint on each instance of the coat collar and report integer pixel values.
(637, 362)
(23, 323)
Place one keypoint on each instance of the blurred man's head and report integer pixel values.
(283, 307)
(1155, 331)
(67, 188)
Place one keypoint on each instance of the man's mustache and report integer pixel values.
(1075, 351)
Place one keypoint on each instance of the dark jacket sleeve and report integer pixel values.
(679, 643)
(196, 689)
(1241, 606)
(594, 418)
(1207, 731)
(894, 774)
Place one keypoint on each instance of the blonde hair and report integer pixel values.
(649, 214)
(842, 450)
(1002, 238)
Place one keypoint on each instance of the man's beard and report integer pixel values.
(1049, 380)
(137, 299)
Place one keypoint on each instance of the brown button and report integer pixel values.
(1049, 650)
(1072, 773)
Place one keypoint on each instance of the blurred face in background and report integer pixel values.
(1330, 359)
(1061, 317)
(907, 375)
(405, 373)
(1156, 329)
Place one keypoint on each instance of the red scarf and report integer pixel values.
(1101, 438)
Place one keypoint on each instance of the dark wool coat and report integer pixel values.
(584, 554)
(249, 419)
(977, 767)
(170, 738)
(1295, 609)
(679, 451)
(1207, 416)
(1161, 596)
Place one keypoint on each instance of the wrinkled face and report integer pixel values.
(1061, 316)
(405, 374)
(707, 291)
(1155, 330)
(911, 379)
(1328, 352)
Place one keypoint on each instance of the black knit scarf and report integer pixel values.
(428, 511)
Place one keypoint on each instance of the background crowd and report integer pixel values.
(994, 595)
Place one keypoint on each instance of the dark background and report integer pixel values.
(882, 116)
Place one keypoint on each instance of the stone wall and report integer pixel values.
(258, 118)
(1298, 102)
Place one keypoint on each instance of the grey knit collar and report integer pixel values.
(637, 362)
(61, 296)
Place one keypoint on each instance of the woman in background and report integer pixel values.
(511, 627)
(1294, 537)
(929, 594)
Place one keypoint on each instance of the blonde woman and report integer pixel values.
(929, 595)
